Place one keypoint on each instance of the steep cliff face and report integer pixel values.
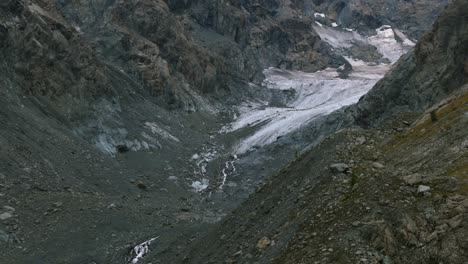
(175, 48)
(434, 70)
(414, 17)
(206, 45)
(209, 46)
(44, 57)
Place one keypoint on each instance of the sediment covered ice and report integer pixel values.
(319, 93)
(390, 42)
(316, 94)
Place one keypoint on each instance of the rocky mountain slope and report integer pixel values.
(395, 193)
(119, 117)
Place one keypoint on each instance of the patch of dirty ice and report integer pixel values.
(316, 94)
(390, 42)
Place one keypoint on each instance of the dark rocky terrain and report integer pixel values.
(111, 120)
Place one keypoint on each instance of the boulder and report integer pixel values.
(339, 168)
(423, 188)
(263, 243)
(412, 179)
(5, 216)
(378, 165)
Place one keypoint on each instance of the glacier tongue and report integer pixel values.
(319, 93)
(316, 94)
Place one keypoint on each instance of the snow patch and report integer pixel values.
(339, 39)
(200, 186)
(141, 250)
(110, 139)
(385, 40)
(387, 45)
(155, 129)
(319, 15)
(404, 38)
(200, 163)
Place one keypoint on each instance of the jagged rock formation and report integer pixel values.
(202, 45)
(414, 17)
(434, 70)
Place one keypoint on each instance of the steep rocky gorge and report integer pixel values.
(123, 119)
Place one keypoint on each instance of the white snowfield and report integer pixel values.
(387, 44)
(320, 93)
(317, 94)
(385, 40)
(141, 250)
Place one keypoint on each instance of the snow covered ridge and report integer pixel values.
(390, 42)
(317, 94)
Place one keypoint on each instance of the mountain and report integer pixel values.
(133, 121)
(394, 192)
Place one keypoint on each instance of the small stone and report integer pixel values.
(9, 208)
(455, 221)
(57, 204)
(339, 167)
(361, 140)
(387, 260)
(457, 198)
(442, 227)
(413, 179)
(263, 243)
(5, 216)
(464, 203)
(423, 188)
(141, 186)
(378, 165)
(4, 237)
(172, 178)
(432, 237)
(356, 223)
